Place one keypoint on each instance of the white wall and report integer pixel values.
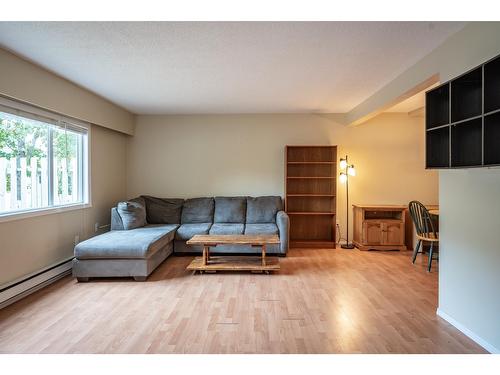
(189, 156)
(469, 263)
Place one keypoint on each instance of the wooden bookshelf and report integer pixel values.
(310, 195)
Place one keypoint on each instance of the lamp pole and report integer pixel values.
(347, 245)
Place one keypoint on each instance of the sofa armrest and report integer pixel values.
(116, 220)
(283, 223)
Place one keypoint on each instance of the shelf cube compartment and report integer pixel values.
(492, 85)
(466, 143)
(492, 139)
(467, 96)
(438, 148)
(437, 104)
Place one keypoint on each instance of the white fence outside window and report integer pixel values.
(32, 178)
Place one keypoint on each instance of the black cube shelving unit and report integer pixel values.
(463, 120)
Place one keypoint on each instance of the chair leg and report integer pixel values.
(430, 257)
(415, 251)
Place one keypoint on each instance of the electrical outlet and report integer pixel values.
(96, 227)
(77, 239)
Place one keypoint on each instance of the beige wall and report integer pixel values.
(189, 156)
(29, 245)
(31, 83)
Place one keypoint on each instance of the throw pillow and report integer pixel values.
(133, 214)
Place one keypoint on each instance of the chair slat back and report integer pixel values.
(422, 219)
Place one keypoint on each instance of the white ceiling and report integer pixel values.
(227, 67)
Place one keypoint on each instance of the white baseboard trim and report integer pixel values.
(467, 332)
(31, 284)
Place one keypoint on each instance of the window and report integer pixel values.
(43, 161)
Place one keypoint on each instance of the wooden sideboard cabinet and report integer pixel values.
(379, 227)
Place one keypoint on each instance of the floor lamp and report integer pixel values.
(346, 171)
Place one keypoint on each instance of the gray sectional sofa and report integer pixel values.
(146, 230)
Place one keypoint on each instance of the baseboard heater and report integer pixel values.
(23, 287)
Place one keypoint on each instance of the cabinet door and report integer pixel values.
(372, 233)
(393, 233)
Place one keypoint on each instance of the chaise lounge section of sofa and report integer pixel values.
(168, 224)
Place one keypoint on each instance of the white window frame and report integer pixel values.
(14, 105)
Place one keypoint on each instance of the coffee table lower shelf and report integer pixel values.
(234, 263)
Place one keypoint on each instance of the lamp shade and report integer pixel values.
(343, 178)
(343, 164)
(351, 171)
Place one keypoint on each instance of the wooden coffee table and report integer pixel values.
(233, 263)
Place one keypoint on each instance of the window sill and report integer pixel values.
(20, 215)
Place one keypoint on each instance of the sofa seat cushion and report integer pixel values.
(136, 243)
(230, 210)
(261, 210)
(267, 228)
(187, 231)
(225, 228)
(198, 210)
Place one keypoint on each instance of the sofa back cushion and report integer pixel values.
(263, 209)
(198, 210)
(163, 210)
(132, 213)
(230, 209)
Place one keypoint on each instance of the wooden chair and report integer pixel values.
(425, 229)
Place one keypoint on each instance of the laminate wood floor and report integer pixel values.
(322, 301)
